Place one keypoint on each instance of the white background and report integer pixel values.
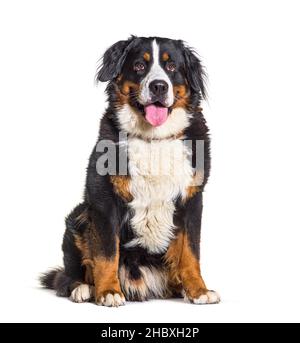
(50, 112)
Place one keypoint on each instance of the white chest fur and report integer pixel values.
(160, 172)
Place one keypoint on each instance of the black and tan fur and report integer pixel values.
(95, 244)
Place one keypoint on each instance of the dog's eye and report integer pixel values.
(171, 66)
(139, 66)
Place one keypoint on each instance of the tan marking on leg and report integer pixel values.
(107, 284)
(105, 275)
(121, 186)
(184, 267)
(190, 271)
(86, 258)
(172, 259)
(82, 244)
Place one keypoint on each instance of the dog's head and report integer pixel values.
(154, 83)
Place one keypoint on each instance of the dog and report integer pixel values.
(136, 234)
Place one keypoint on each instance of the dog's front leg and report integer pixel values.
(183, 255)
(105, 242)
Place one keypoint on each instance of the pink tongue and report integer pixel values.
(156, 115)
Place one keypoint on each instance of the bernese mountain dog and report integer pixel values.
(136, 234)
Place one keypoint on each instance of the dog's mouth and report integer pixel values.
(155, 113)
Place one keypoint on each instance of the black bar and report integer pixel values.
(145, 332)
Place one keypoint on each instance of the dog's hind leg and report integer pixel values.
(66, 280)
(77, 255)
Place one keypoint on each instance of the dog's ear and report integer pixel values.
(195, 73)
(113, 59)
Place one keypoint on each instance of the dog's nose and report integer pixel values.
(159, 87)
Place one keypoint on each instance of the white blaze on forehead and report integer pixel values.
(156, 73)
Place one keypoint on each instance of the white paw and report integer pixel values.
(210, 297)
(112, 300)
(82, 293)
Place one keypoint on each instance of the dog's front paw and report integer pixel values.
(205, 297)
(110, 299)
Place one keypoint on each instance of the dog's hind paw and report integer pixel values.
(82, 293)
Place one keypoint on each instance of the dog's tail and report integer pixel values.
(57, 280)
